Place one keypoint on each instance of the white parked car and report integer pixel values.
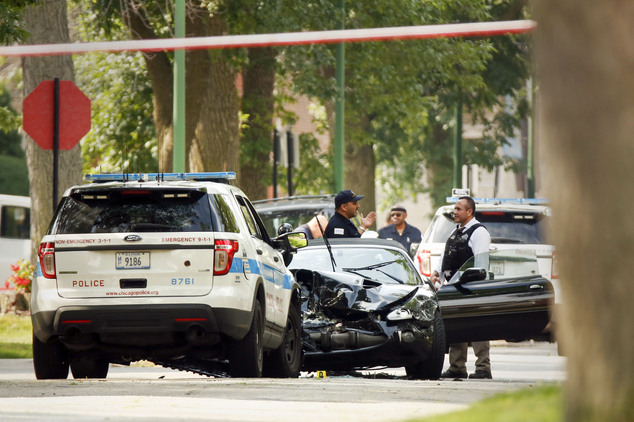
(15, 232)
(512, 224)
(172, 268)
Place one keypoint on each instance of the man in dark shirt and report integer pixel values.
(399, 230)
(346, 207)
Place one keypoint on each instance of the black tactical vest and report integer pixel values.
(457, 249)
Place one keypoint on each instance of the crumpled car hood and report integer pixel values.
(341, 295)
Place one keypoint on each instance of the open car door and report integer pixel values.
(509, 300)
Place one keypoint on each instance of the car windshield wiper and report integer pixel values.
(374, 267)
(370, 267)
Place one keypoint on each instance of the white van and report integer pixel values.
(15, 232)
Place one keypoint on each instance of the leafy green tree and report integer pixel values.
(123, 136)
(401, 95)
(47, 23)
(212, 114)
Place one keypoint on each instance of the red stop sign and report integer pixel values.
(74, 114)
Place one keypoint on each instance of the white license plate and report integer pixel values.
(497, 268)
(132, 260)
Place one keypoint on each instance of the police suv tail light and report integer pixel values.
(554, 270)
(46, 254)
(424, 262)
(223, 255)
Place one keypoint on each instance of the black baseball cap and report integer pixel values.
(346, 196)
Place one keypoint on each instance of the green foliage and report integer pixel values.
(315, 175)
(400, 95)
(543, 403)
(10, 140)
(123, 136)
(11, 25)
(14, 176)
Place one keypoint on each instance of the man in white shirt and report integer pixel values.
(470, 238)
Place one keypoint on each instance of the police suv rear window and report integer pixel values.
(503, 226)
(133, 210)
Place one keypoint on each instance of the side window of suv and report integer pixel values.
(251, 223)
(222, 216)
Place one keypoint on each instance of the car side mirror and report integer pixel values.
(413, 248)
(291, 241)
(472, 274)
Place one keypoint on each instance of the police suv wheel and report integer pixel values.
(286, 360)
(247, 355)
(50, 360)
(82, 367)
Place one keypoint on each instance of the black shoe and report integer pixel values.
(451, 374)
(481, 375)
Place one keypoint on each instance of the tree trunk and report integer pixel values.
(585, 62)
(48, 25)
(360, 166)
(257, 103)
(159, 70)
(211, 122)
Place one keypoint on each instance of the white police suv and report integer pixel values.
(176, 269)
(512, 224)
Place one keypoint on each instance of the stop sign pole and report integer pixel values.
(55, 141)
(56, 116)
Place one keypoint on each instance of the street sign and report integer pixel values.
(39, 114)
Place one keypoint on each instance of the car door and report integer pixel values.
(270, 262)
(512, 303)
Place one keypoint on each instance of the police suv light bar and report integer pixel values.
(160, 177)
(520, 201)
(457, 193)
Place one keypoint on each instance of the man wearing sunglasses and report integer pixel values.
(399, 230)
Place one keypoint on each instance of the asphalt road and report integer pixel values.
(142, 393)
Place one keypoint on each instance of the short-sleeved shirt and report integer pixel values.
(306, 230)
(339, 227)
(478, 242)
(410, 235)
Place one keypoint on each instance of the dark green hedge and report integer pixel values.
(14, 176)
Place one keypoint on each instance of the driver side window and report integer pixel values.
(246, 213)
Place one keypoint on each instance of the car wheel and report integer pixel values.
(286, 360)
(82, 367)
(247, 355)
(50, 360)
(431, 368)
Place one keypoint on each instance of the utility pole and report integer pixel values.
(178, 160)
(457, 145)
(339, 148)
(530, 159)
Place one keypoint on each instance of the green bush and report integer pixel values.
(14, 176)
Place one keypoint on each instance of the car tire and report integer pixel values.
(82, 367)
(247, 355)
(286, 360)
(50, 360)
(431, 368)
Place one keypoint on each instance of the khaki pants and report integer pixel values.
(458, 356)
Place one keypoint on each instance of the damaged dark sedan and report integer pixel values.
(364, 305)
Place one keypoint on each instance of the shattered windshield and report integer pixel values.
(379, 264)
(506, 263)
